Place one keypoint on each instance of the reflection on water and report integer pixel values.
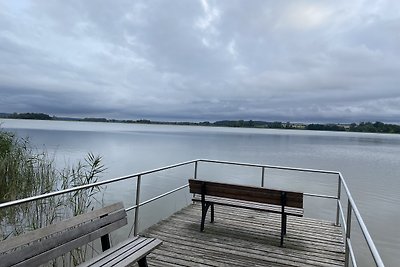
(369, 162)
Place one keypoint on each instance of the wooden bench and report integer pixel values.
(248, 197)
(42, 245)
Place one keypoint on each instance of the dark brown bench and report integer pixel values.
(248, 197)
(45, 244)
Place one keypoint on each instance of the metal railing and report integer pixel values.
(340, 217)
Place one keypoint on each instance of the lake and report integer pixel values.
(369, 162)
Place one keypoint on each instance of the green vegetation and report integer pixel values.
(24, 172)
(250, 124)
(376, 127)
(28, 116)
(325, 127)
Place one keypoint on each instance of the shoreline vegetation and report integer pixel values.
(370, 127)
(26, 172)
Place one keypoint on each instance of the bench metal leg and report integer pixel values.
(204, 209)
(142, 262)
(212, 212)
(105, 242)
(283, 218)
(283, 227)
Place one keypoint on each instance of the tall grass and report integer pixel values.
(26, 172)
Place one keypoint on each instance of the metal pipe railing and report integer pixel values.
(339, 190)
(371, 245)
(267, 166)
(82, 187)
(348, 232)
(137, 201)
(342, 216)
(262, 176)
(351, 252)
(352, 208)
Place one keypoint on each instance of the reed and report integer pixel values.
(25, 172)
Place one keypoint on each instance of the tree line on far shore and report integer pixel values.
(371, 127)
(367, 127)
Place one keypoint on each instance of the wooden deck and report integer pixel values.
(240, 237)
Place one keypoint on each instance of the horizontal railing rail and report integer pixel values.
(353, 207)
(82, 187)
(346, 221)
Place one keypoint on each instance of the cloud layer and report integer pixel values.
(202, 60)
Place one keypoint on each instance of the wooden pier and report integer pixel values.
(241, 237)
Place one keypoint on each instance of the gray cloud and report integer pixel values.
(202, 60)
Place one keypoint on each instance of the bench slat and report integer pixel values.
(252, 205)
(108, 253)
(31, 236)
(125, 253)
(41, 246)
(248, 193)
(85, 239)
(130, 253)
(144, 251)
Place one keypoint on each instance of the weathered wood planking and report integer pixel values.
(245, 238)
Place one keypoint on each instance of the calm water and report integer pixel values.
(369, 162)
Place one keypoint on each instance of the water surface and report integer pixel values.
(369, 162)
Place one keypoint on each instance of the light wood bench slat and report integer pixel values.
(31, 236)
(42, 245)
(97, 261)
(57, 251)
(112, 261)
(131, 250)
(141, 252)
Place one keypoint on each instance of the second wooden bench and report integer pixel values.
(42, 245)
(248, 197)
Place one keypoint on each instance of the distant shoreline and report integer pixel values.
(368, 127)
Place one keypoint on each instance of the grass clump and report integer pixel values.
(25, 172)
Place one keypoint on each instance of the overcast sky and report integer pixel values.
(311, 61)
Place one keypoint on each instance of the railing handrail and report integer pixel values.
(268, 166)
(130, 176)
(353, 206)
(371, 245)
(81, 187)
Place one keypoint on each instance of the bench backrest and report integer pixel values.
(42, 245)
(248, 193)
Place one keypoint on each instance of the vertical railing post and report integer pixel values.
(338, 200)
(348, 231)
(195, 170)
(136, 222)
(262, 176)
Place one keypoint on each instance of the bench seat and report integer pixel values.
(132, 250)
(298, 212)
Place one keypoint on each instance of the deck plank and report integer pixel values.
(244, 238)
